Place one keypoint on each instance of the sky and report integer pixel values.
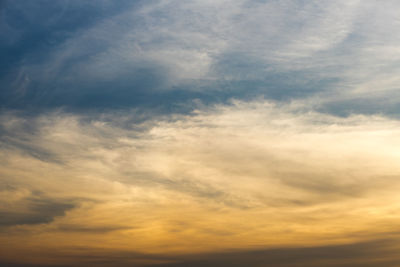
(199, 133)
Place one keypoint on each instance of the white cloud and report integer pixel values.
(353, 42)
(256, 160)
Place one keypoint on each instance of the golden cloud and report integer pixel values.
(239, 176)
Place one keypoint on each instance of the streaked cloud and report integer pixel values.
(136, 53)
(31, 210)
(357, 254)
(167, 132)
(185, 183)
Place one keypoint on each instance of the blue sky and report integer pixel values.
(164, 54)
(175, 132)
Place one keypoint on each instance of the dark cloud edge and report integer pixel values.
(380, 252)
(373, 253)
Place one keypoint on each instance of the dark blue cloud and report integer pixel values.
(32, 31)
(85, 55)
(36, 32)
(31, 28)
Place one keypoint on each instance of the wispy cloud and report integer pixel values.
(136, 53)
(156, 128)
(188, 180)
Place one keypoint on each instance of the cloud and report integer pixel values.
(86, 229)
(165, 127)
(185, 182)
(26, 208)
(140, 54)
(373, 253)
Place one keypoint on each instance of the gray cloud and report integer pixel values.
(374, 253)
(32, 210)
(371, 254)
(46, 214)
(89, 229)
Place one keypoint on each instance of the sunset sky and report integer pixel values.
(199, 133)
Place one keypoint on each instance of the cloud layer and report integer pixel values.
(185, 183)
(171, 132)
(165, 53)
